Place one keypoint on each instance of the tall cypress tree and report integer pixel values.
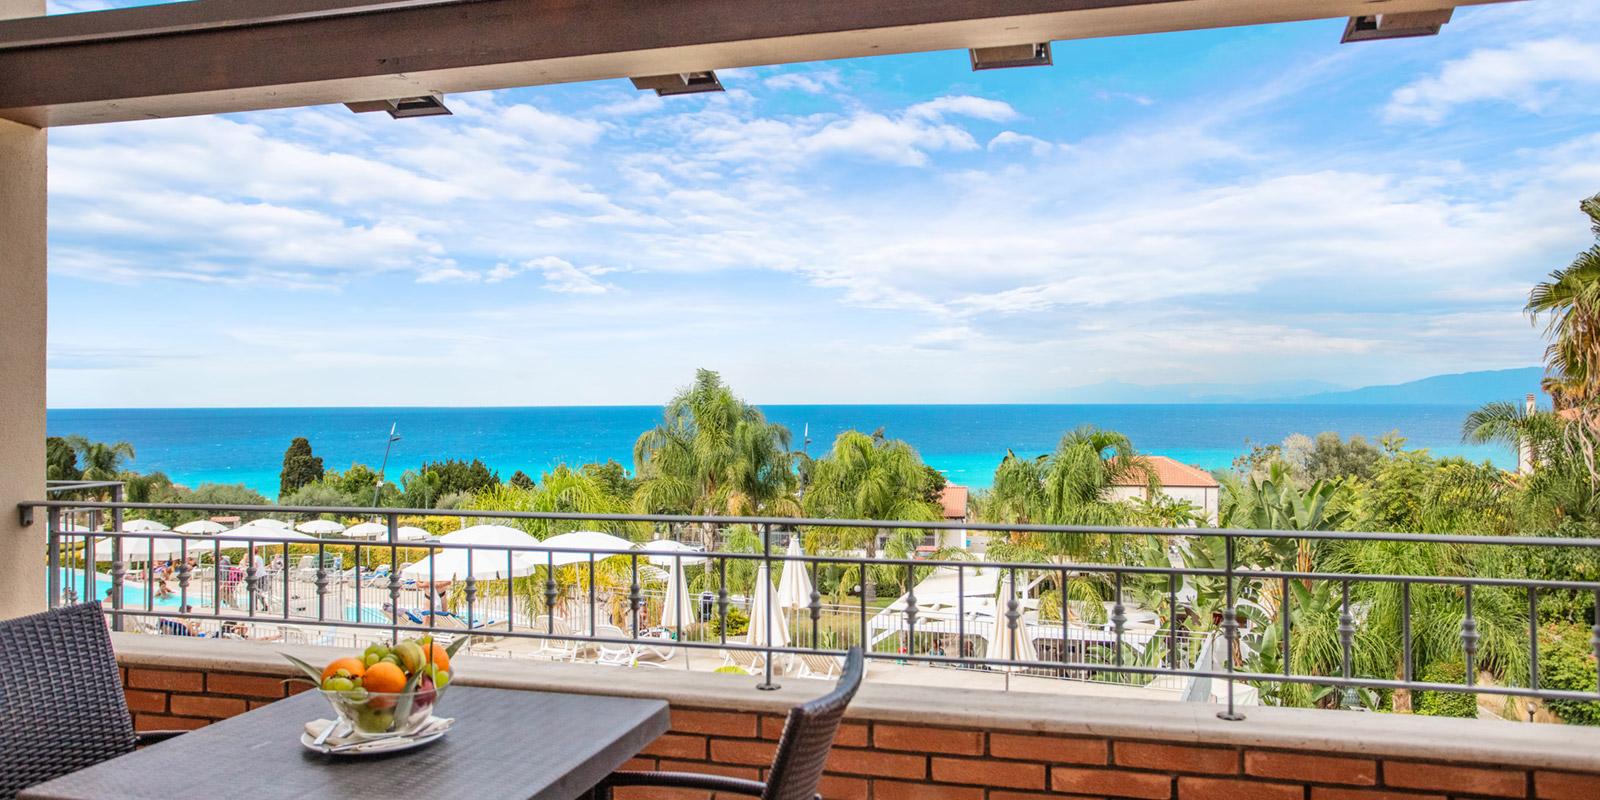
(300, 467)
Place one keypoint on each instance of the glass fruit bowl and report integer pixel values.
(388, 690)
(386, 713)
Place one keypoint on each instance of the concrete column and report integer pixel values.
(22, 351)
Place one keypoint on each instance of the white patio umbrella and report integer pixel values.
(410, 533)
(143, 526)
(677, 609)
(319, 527)
(201, 526)
(662, 550)
(1003, 642)
(794, 584)
(142, 550)
(759, 607)
(367, 530)
(488, 563)
(257, 530)
(582, 541)
(269, 522)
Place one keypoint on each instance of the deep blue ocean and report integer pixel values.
(239, 445)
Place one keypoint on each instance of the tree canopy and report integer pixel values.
(300, 466)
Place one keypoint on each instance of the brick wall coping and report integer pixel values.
(1565, 747)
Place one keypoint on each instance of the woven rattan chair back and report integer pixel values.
(808, 736)
(61, 702)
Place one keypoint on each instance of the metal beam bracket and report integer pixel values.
(1372, 27)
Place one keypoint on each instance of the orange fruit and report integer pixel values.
(385, 678)
(439, 657)
(355, 666)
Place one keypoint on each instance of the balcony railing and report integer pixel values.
(1174, 624)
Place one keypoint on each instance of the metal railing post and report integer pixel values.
(52, 535)
(393, 523)
(764, 579)
(118, 566)
(1230, 627)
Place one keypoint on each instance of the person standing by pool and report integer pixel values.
(258, 580)
(230, 581)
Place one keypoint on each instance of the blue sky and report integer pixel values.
(1233, 206)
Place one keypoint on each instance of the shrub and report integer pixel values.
(1566, 662)
(738, 623)
(1446, 704)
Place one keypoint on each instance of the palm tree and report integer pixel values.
(1514, 426)
(870, 478)
(713, 454)
(1071, 486)
(99, 461)
(1570, 300)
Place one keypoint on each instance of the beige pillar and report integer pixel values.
(22, 351)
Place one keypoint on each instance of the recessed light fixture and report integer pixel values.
(1371, 27)
(428, 105)
(1011, 55)
(679, 83)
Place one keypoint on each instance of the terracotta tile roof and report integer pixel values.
(1174, 473)
(954, 500)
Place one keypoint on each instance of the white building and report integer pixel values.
(1179, 481)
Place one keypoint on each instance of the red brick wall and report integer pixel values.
(885, 761)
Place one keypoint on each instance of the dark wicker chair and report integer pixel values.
(802, 750)
(61, 702)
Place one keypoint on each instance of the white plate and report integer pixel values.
(397, 744)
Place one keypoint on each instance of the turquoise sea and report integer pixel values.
(245, 445)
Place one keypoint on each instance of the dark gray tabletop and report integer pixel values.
(505, 744)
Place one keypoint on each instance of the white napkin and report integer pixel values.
(356, 743)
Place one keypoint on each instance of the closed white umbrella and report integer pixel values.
(677, 609)
(1004, 643)
(794, 584)
(759, 608)
(319, 527)
(143, 526)
(585, 541)
(204, 526)
(487, 563)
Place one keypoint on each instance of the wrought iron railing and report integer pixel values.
(317, 589)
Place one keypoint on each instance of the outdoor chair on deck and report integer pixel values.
(61, 704)
(796, 768)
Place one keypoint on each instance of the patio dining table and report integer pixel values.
(505, 744)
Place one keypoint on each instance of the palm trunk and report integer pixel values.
(869, 583)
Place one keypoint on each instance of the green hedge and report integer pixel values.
(1567, 662)
(1445, 704)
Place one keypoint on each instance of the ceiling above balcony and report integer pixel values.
(214, 56)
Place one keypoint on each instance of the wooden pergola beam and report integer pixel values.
(214, 56)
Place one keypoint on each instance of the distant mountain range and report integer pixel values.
(1466, 388)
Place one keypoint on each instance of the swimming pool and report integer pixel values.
(132, 591)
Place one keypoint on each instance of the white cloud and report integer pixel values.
(1011, 139)
(561, 276)
(449, 275)
(1131, 97)
(640, 103)
(965, 106)
(814, 82)
(1526, 74)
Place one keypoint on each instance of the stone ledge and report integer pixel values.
(1561, 747)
